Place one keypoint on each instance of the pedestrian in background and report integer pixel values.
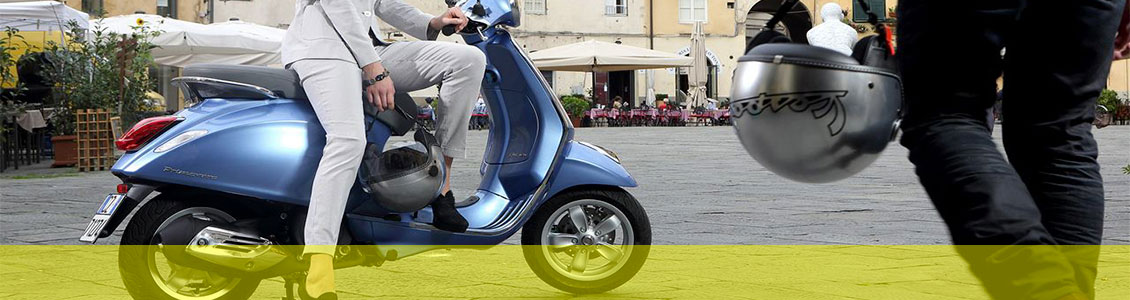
(1049, 191)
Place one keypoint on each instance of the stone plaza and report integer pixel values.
(697, 184)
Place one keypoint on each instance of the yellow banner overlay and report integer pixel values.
(684, 272)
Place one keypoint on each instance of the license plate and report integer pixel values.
(101, 216)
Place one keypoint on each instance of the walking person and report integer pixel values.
(333, 45)
(1043, 206)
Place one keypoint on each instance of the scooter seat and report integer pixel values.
(283, 82)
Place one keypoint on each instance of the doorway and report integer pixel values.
(609, 85)
(795, 24)
(621, 84)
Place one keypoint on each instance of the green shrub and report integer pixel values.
(10, 40)
(101, 69)
(1110, 100)
(575, 106)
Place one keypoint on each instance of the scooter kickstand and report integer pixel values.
(289, 283)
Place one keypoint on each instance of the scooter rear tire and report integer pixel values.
(533, 248)
(137, 241)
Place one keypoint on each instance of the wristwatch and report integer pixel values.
(381, 76)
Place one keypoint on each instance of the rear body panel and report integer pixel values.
(265, 149)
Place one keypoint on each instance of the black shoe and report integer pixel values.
(444, 215)
(304, 295)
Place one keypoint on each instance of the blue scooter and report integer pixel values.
(234, 173)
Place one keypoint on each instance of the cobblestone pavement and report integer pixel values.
(697, 185)
(671, 272)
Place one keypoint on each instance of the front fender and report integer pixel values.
(584, 165)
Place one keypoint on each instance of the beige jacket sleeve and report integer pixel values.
(346, 20)
(407, 18)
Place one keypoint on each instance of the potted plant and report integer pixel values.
(575, 107)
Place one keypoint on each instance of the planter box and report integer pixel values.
(576, 121)
(66, 151)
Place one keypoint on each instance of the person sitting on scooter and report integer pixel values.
(333, 45)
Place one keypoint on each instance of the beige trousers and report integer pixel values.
(334, 89)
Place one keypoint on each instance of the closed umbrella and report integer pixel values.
(698, 74)
(650, 100)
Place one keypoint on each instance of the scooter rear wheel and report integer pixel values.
(587, 241)
(147, 274)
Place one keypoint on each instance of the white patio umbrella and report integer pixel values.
(183, 43)
(597, 56)
(697, 75)
(40, 16)
(589, 56)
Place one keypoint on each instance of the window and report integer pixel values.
(548, 77)
(879, 7)
(691, 11)
(167, 8)
(536, 7)
(616, 7)
(92, 7)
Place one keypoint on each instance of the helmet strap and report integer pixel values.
(780, 14)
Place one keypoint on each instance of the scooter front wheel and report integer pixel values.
(587, 241)
(148, 274)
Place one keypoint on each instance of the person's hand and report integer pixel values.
(453, 16)
(380, 94)
(1122, 39)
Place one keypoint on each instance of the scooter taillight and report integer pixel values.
(144, 131)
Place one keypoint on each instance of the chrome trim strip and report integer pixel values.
(601, 150)
(191, 93)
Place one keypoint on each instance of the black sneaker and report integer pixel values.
(444, 215)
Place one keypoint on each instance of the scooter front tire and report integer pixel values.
(553, 245)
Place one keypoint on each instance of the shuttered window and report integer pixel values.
(691, 11)
(536, 7)
(616, 7)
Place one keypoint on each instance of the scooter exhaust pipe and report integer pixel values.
(229, 250)
(235, 250)
(207, 244)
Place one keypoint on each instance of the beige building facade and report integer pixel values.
(188, 10)
(663, 25)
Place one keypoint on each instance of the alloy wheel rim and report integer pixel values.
(185, 282)
(587, 240)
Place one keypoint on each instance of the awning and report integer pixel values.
(600, 56)
(40, 16)
(183, 43)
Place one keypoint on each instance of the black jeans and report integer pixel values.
(1048, 191)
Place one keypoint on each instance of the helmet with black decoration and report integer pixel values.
(812, 114)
